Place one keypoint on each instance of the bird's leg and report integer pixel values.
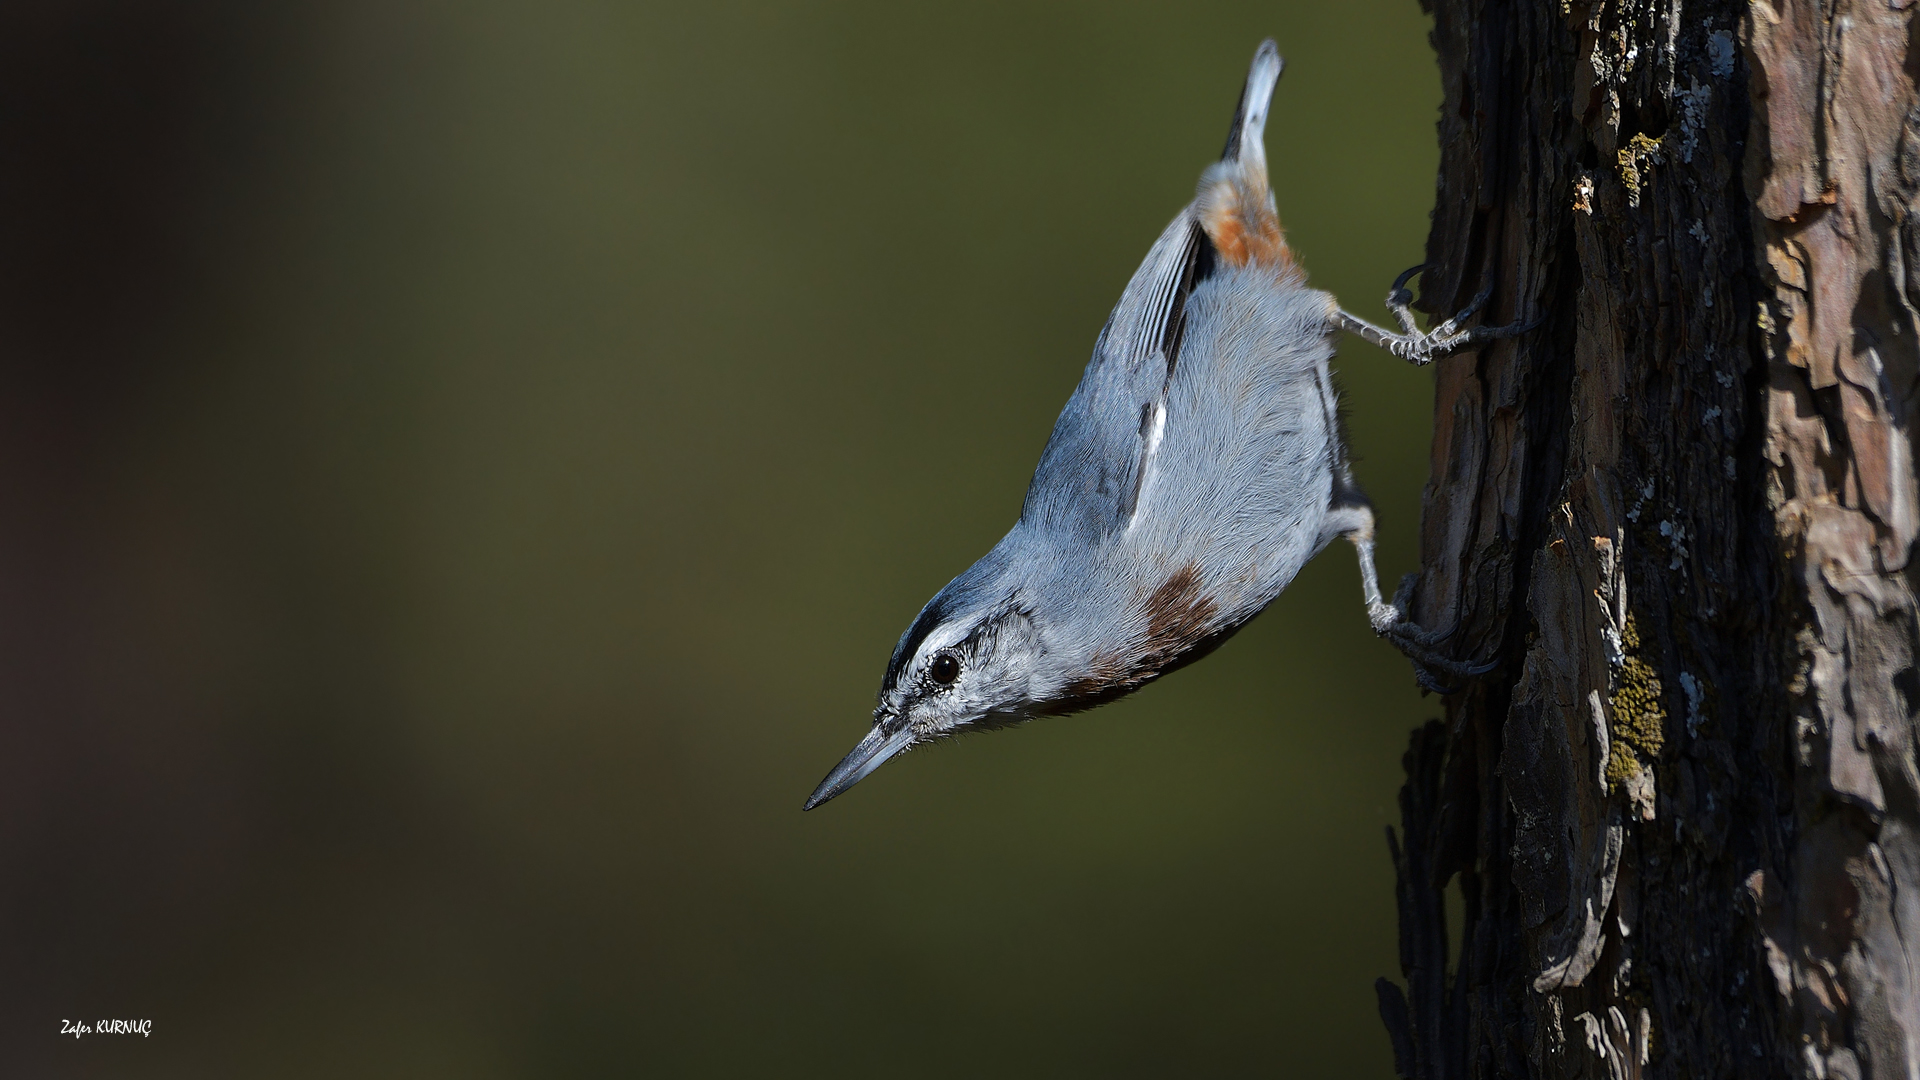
(1390, 620)
(1419, 347)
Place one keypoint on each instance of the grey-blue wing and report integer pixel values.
(1088, 480)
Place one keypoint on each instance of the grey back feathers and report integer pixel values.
(1091, 472)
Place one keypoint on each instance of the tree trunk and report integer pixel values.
(1684, 815)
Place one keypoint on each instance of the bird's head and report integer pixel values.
(974, 659)
(1013, 638)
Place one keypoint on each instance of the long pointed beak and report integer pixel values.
(873, 752)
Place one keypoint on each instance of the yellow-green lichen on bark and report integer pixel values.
(1639, 715)
(1641, 150)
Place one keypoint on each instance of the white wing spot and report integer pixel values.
(1154, 434)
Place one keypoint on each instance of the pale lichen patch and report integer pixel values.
(1694, 103)
(1696, 693)
(1720, 53)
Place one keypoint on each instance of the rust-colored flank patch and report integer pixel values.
(1179, 621)
(1177, 614)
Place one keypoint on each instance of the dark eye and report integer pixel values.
(944, 669)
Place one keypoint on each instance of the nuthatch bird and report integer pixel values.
(1195, 469)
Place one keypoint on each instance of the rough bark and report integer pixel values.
(1682, 815)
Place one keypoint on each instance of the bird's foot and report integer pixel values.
(1421, 645)
(1422, 347)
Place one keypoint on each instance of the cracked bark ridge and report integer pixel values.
(1683, 818)
(1833, 174)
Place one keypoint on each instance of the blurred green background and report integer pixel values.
(465, 466)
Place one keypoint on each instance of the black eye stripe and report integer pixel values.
(930, 617)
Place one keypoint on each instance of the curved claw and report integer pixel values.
(1399, 297)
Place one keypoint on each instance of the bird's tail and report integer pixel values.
(1235, 204)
